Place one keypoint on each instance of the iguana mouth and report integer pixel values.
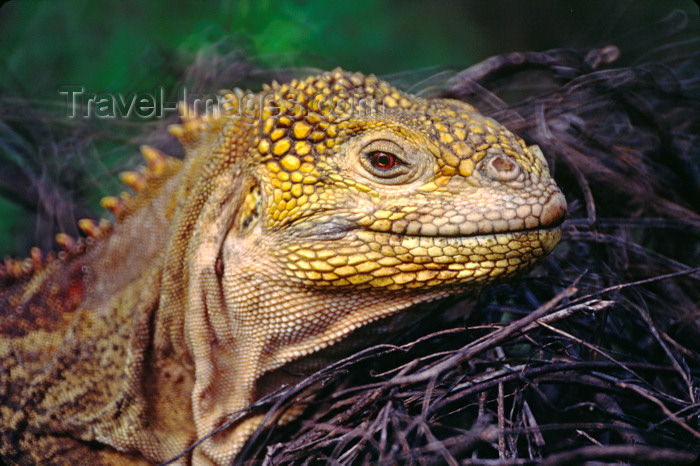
(547, 216)
(548, 228)
(395, 238)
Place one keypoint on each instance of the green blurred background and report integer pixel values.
(132, 46)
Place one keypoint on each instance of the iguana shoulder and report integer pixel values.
(298, 215)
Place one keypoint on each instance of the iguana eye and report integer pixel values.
(383, 160)
(383, 164)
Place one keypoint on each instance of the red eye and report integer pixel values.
(383, 160)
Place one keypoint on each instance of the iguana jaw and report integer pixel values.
(408, 249)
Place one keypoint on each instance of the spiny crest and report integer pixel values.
(13, 270)
(95, 229)
(158, 165)
(196, 125)
(16, 269)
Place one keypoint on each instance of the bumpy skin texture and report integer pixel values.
(296, 217)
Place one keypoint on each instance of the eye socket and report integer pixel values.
(385, 164)
(383, 160)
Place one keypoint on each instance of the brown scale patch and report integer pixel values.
(41, 302)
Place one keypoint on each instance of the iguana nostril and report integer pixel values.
(502, 168)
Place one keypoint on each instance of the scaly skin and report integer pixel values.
(282, 231)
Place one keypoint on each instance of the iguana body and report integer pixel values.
(327, 204)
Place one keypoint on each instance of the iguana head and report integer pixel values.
(360, 186)
(316, 207)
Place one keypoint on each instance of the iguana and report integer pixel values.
(299, 215)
